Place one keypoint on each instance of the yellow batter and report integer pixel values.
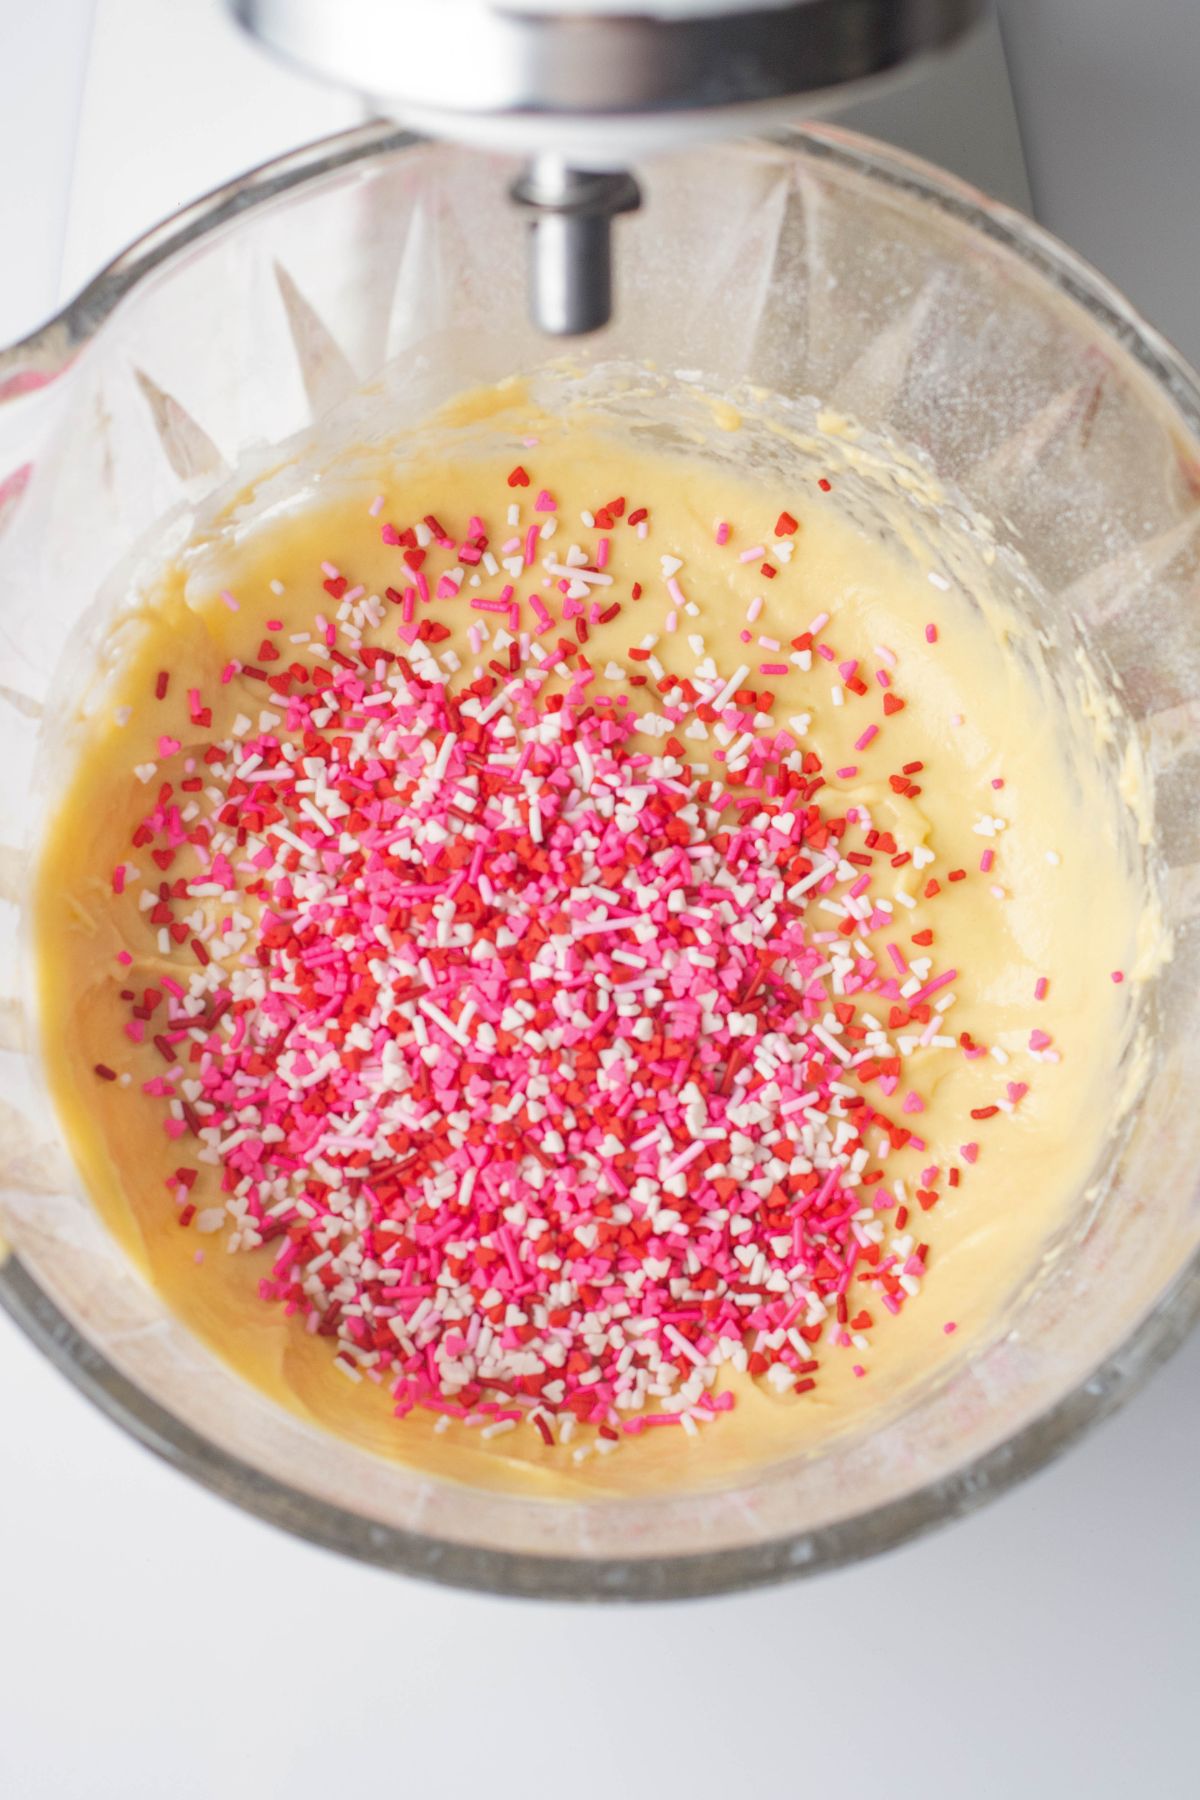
(1059, 902)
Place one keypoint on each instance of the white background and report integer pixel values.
(155, 1645)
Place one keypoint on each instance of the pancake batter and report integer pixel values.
(611, 1174)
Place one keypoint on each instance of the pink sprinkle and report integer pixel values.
(861, 742)
(387, 535)
(124, 958)
(986, 860)
(1039, 1040)
(913, 1103)
(949, 1327)
(997, 781)
(746, 556)
(754, 609)
(931, 987)
(970, 1152)
(775, 669)
(167, 746)
(1118, 976)
(848, 773)
(1041, 988)
(229, 600)
(531, 544)
(331, 570)
(545, 502)
(722, 531)
(376, 506)
(931, 635)
(602, 548)
(897, 956)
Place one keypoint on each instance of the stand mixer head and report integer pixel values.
(585, 88)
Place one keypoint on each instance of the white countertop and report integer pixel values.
(157, 1645)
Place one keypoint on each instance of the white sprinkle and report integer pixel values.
(730, 689)
(595, 576)
(685, 1349)
(447, 1024)
(445, 751)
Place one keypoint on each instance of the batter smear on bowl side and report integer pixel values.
(557, 952)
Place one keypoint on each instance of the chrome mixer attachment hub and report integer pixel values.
(586, 88)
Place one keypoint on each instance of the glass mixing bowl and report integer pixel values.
(817, 264)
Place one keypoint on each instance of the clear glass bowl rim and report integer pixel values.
(45, 355)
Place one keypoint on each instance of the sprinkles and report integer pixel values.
(554, 1072)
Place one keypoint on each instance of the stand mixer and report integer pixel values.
(380, 273)
(585, 88)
